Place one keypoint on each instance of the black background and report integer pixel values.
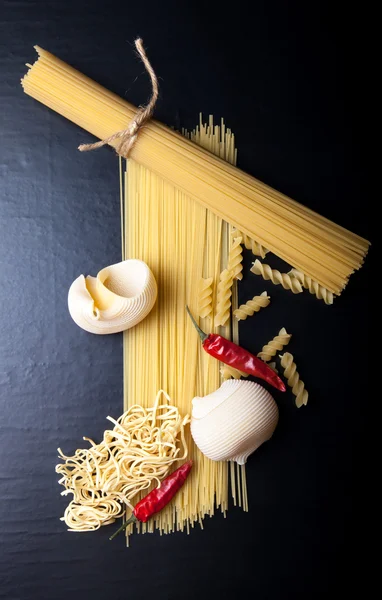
(284, 76)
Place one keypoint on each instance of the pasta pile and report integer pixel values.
(136, 453)
(322, 250)
(183, 243)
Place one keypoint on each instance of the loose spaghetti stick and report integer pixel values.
(205, 297)
(294, 381)
(313, 287)
(275, 345)
(256, 248)
(288, 282)
(224, 298)
(235, 258)
(227, 372)
(252, 306)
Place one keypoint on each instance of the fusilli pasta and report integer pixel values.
(252, 306)
(314, 288)
(256, 248)
(235, 258)
(227, 372)
(288, 282)
(205, 297)
(294, 381)
(224, 294)
(275, 345)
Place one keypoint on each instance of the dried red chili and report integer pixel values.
(158, 498)
(235, 356)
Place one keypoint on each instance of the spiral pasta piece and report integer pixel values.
(137, 452)
(275, 345)
(224, 294)
(228, 372)
(252, 306)
(314, 288)
(235, 258)
(256, 248)
(205, 297)
(288, 282)
(294, 381)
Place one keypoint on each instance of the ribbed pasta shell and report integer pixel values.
(117, 299)
(233, 421)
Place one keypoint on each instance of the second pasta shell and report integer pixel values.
(117, 299)
(233, 421)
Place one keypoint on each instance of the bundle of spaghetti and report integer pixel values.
(182, 243)
(309, 242)
(256, 248)
(137, 453)
(294, 381)
(278, 342)
(314, 288)
(251, 306)
(205, 293)
(287, 281)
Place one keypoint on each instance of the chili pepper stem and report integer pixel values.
(202, 334)
(130, 520)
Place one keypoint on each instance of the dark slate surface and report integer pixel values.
(283, 76)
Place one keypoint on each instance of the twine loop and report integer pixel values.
(129, 135)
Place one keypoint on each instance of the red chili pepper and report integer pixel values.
(158, 498)
(235, 356)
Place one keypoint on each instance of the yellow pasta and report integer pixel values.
(311, 243)
(235, 258)
(182, 242)
(294, 381)
(228, 372)
(252, 306)
(275, 345)
(205, 297)
(136, 453)
(313, 287)
(256, 248)
(224, 294)
(267, 273)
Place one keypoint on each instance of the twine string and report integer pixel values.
(129, 135)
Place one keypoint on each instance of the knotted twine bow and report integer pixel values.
(129, 135)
